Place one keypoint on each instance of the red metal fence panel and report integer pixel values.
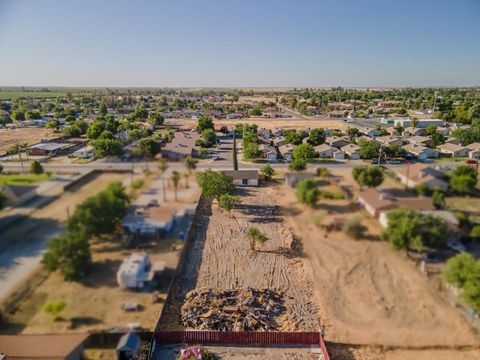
(241, 338)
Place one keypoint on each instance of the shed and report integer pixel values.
(243, 177)
(128, 346)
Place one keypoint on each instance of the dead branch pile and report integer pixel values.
(232, 310)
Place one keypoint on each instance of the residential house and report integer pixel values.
(473, 150)
(336, 114)
(377, 202)
(418, 140)
(39, 346)
(325, 150)
(445, 131)
(269, 152)
(352, 151)
(336, 141)
(182, 146)
(452, 140)
(243, 177)
(416, 174)
(413, 131)
(421, 152)
(422, 123)
(86, 152)
(47, 149)
(286, 151)
(369, 131)
(389, 140)
(452, 150)
(137, 272)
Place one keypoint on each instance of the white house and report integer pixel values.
(325, 151)
(352, 151)
(136, 271)
(473, 150)
(243, 177)
(421, 152)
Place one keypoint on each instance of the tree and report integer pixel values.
(149, 147)
(214, 184)
(36, 168)
(475, 232)
(250, 150)
(68, 253)
(100, 214)
(190, 164)
(293, 137)
(436, 139)
(175, 179)
(353, 132)
(268, 171)
(431, 129)
(52, 124)
(303, 152)
(255, 112)
(307, 192)
(464, 179)
(460, 269)
(102, 107)
(316, 137)
(107, 147)
(322, 172)
(209, 137)
(18, 115)
(228, 202)
(395, 151)
(5, 118)
(370, 176)
(354, 228)
(3, 200)
(410, 229)
(95, 130)
(163, 166)
(72, 131)
(156, 119)
(438, 199)
(369, 149)
(234, 152)
(255, 237)
(297, 165)
(1, 168)
(203, 123)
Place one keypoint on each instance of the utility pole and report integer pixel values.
(234, 151)
(380, 154)
(408, 174)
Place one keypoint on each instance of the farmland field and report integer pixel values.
(10, 95)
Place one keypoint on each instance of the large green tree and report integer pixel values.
(316, 137)
(304, 152)
(370, 176)
(307, 192)
(215, 183)
(107, 147)
(203, 123)
(464, 179)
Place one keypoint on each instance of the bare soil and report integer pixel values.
(28, 135)
(369, 294)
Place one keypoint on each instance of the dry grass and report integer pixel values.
(27, 135)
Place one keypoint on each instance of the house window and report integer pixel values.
(244, 181)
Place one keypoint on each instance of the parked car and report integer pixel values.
(394, 162)
(471, 161)
(456, 246)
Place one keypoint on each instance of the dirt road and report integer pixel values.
(29, 236)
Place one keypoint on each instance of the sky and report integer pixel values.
(240, 43)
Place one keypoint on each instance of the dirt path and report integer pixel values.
(367, 293)
(28, 237)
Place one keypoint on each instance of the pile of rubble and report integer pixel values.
(232, 310)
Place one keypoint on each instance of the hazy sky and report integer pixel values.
(240, 43)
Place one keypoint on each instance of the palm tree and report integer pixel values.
(163, 166)
(190, 164)
(176, 179)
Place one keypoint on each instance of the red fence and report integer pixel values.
(241, 338)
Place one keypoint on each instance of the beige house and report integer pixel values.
(243, 177)
(421, 152)
(352, 151)
(325, 150)
(452, 150)
(416, 174)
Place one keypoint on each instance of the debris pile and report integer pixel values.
(232, 310)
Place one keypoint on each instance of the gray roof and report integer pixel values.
(51, 146)
(242, 174)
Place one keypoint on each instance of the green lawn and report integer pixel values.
(22, 179)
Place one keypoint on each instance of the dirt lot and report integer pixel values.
(221, 258)
(28, 135)
(96, 303)
(367, 293)
(268, 123)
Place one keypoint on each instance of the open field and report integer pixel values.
(22, 179)
(270, 124)
(367, 293)
(11, 95)
(22, 135)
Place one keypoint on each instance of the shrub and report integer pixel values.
(137, 184)
(354, 228)
(307, 192)
(297, 165)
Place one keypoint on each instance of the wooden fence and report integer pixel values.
(241, 338)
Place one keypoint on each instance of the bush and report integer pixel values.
(55, 307)
(304, 152)
(255, 236)
(297, 165)
(268, 171)
(354, 228)
(332, 195)
(370, 176)
(307, 192)
(137, 184)
(322, 172)
(36, 168)
(438, 199)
